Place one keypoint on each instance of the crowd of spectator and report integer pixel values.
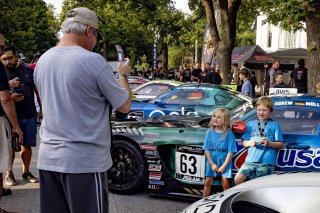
(212, 74)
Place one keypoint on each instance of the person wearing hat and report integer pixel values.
(21, 59)
(77, 96)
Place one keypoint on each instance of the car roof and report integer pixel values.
(296, 98)
(166, 82)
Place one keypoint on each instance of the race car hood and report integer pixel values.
(267, 188)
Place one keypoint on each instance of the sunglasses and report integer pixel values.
(1, 47)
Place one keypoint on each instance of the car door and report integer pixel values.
(300, 127)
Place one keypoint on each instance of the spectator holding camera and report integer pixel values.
(23, 89)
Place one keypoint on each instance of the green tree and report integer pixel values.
(293, 14)
(119, 24)
(28, 25)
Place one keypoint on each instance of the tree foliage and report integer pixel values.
(29, 25)
(299, 14)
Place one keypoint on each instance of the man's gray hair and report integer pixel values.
(73, 27)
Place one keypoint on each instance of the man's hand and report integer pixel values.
(125, 68)
(39, 116)
(17, 131)
(17, 97)
(14, 83)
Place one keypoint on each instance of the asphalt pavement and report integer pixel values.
(25, 196)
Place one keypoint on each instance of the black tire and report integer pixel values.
(128, 173)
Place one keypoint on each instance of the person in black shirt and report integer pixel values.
(300, 77)
(6, 108)
(195, 73)
(186, 74)
(170, 75)
(214, 76)
(23, 89)
(203, 77)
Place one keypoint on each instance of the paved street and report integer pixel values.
(25, 197)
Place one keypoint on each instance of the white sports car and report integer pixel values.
(279, 193)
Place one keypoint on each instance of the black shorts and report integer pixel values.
(73, 193)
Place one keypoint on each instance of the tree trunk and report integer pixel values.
(313, 47)
(165, 57)
(223, 42)
(224, 56)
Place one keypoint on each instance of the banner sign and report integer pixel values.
(279, 91)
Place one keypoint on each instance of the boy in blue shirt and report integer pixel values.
(264, 138)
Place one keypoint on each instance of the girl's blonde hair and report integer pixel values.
(226, 119)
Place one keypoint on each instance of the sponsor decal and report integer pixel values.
(299, 103)
(313, 104)
(190, 149)
(153, 187)
(158, 112)
(155, 175)
(283, 103)
(155, 167)
(278, 91)
(240, 157)
(151, 153)
(154, 161)
(207, 204)
(190, 178)
(288, 158)
(156, 182)
(147, 147)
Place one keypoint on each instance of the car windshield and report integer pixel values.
(152, 89)
(240, 111)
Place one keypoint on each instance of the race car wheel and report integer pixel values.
(128, 173)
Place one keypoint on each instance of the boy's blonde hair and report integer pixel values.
(318, 88)
(226, 118)
(266, 101)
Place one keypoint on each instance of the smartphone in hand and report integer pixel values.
(120, 53)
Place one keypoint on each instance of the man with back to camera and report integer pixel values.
(75, 134)
(300, 77)
(23, 89)
(6, 108)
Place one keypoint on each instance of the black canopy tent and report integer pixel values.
(255, 58)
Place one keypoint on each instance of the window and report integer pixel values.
(185, 97)
(153, 89)
(297, 120)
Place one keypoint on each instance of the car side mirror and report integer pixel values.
(239, 127)
(158, 101)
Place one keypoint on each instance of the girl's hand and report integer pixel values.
(214, 167)
(222, 169)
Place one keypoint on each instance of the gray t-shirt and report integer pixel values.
(247, 89)
(76, 88)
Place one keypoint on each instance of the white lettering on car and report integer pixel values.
(173, 112)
